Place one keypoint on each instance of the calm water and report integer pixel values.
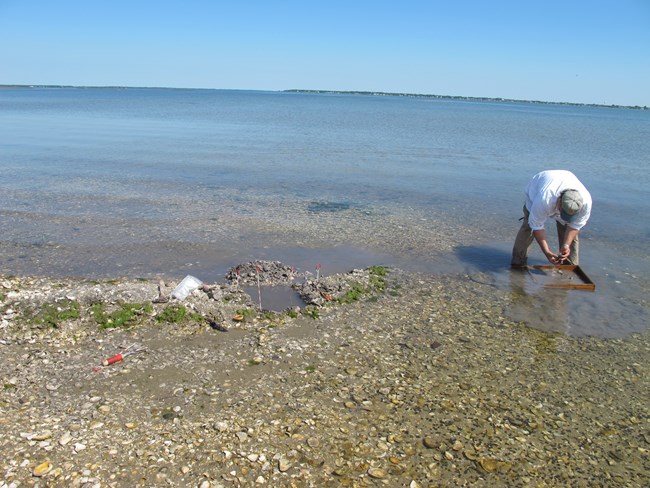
(150, 182)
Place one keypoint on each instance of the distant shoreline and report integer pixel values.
(357, 92)
(458, 97)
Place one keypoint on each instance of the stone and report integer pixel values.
(283, 464)
(377, 473)
(42, 469)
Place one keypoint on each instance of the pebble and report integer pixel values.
(377, 473)
(43, 436)
(488, 465)
(429, 443)
(65, 438)
(42, 469)
(283, 464)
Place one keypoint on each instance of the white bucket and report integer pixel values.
(185, 287)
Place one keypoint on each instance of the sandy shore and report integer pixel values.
(390, 380)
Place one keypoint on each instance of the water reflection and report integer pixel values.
(617, 308)
(610, 311)
(542, 308)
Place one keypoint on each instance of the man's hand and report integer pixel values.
(552, 257)
(540, 237)
(565, 252)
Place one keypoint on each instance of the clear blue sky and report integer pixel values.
(592, 51)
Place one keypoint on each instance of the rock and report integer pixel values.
(376, 473)
(488, 465)
(65, 438)
(42, 469)
(47, 434)
(283, 464)
(429, 443)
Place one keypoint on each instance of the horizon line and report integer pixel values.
(340, 92)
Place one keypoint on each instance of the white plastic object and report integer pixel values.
(185, 287)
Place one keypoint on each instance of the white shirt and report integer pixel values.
(543, 192)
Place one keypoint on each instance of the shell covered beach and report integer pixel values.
(381, 378)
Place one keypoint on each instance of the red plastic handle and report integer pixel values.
(113, 359)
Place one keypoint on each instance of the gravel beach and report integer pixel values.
(383, 378)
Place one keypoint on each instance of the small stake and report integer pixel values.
(259, 290)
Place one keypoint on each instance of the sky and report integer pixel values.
(581, 51)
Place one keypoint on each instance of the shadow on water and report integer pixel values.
(615, 309)
(483, 259)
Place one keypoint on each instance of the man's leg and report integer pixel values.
(574, 256)
(522, 242)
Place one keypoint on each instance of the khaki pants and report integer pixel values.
(525, 239)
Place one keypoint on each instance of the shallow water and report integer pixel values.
(277, 298)
(147, 182)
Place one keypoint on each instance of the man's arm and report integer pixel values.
(565, 247)
(540, 237)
